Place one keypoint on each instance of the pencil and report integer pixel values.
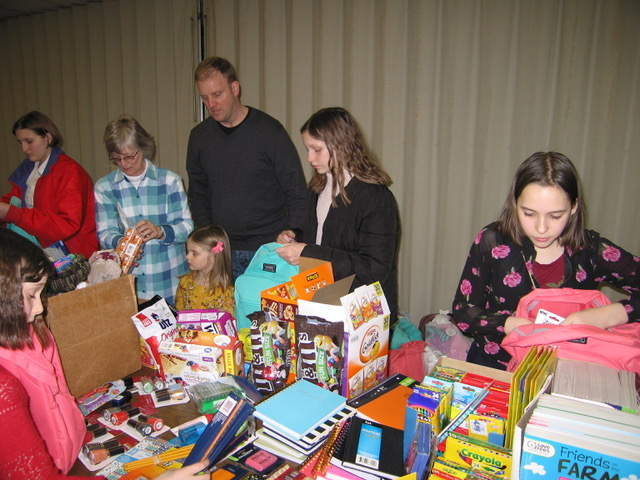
(169, 455)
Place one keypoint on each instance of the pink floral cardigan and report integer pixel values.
(498, 272)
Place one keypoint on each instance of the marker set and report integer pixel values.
(131, 421)
(171, 395)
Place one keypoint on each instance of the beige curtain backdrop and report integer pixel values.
(452, 95)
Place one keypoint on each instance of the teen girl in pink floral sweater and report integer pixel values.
(539, 241)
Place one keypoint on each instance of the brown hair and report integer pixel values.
(40, 124)
(347, 151)
(209, 65)
(21, 261)
(549, 169)
(215, 237)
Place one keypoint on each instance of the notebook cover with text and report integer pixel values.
(299, 408)
(386, 403)
(374, 448)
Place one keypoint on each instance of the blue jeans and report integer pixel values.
(240, 260)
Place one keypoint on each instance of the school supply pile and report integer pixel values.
(528, 381)
(372, 448)
(386, 403)
(299, 418)
(208, 396)
(454, 415)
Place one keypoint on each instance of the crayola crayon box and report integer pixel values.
(467, 451)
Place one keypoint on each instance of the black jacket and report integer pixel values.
(360, 238)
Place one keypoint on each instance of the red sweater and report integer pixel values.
(63, 204)
(23, 454)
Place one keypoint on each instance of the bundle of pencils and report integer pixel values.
(169, 455)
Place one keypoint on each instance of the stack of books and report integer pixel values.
(573, 439)
(369, 444)
(364, 450)
(298, 419)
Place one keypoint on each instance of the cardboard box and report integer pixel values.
(213, 320)
(92, 326)
(366, 337)
(494, 373)
(282, 300)
(206, 361)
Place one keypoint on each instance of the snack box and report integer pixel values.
(211, 320)
(128, 249)
(281, 301)
(364, 314)
(207, 360)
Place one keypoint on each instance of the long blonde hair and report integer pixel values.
(214, 239)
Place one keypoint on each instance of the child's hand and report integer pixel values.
(288, 236)
(291, 252)
(514, 322)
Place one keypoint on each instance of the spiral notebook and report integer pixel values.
(298, 408)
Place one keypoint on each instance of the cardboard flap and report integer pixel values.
(307, 263)
(92, 327)
(331, 294)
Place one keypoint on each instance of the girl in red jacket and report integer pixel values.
(51, 199)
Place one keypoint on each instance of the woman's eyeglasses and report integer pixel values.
(124, 158)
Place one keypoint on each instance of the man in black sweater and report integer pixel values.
(244, 171)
